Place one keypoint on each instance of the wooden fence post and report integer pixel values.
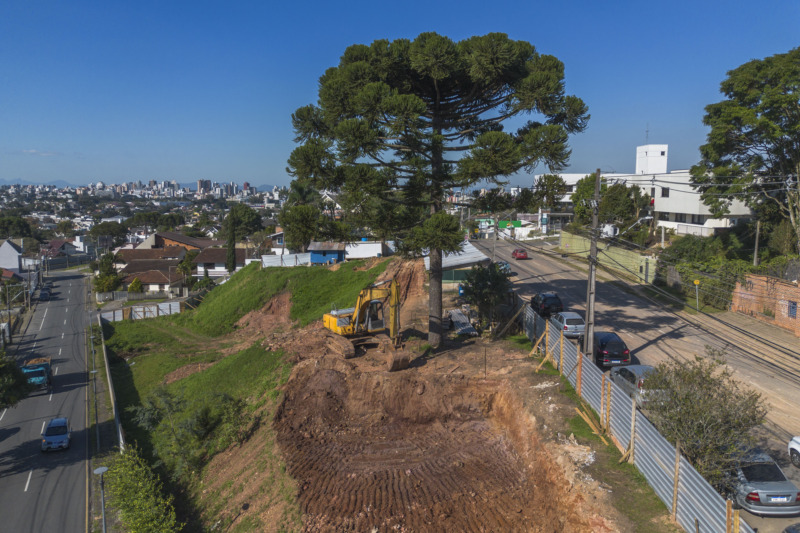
(633, 432)
(608, 407)
(675, 479)
(736, 521)
(602, 400)
(561, 357)
(580, 374)
(728, 515)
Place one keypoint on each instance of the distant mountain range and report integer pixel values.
(62, 183)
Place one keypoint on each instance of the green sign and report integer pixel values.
(506, 223)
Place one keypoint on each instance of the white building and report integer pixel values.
(676, 204)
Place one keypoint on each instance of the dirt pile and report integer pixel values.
(413, 452)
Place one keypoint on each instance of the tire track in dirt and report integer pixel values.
(387, 451)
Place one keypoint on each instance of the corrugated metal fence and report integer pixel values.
(699, 507)
(285, 260)
(139, 312)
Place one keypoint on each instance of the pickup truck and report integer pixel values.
(38, 373)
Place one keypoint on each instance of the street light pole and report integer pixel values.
(100, 471)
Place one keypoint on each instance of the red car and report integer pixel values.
(519, 253)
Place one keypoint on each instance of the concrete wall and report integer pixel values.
(626, 262)
(770, 300)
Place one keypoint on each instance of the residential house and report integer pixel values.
(172, 238)
(155, 280)
(59, 248)
(11, 256)
(212, 261)
(324, 253)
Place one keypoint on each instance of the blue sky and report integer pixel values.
(118, 91)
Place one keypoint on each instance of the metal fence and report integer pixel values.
(699, 507)
(111, 393)
(285, 260)
(139, 312)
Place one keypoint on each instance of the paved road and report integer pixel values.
(47, 492)
(656, 334)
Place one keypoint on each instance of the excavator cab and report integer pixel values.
(376, 316)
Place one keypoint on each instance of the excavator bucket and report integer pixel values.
(397, 360)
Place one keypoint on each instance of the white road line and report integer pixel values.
(42, 431)
(45, 312)
(59, 351)
(34, 345)
(51, 397)
(4, 414)
(62, 335)
(65, 321)
(29, 481)
(66, 309)
(55, 372)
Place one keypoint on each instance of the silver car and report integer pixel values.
(762, 488)
(56, 434)
(572, 324)
(632, 379)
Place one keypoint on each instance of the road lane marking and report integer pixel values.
(4, 414)
(65, 321)
(62, 335)
(66, 309)
(29, 481)
(42, 431)
(59, 351)
(51, 397)
(55, 372)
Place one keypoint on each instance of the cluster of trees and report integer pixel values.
(107, 278)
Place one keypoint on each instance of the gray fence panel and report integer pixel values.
(163, 309)
(592, 384)
(697, 500)
(137, 313)
(150, 311)
(621, 406)
(571, 363)
(289, 260)
(655, 458)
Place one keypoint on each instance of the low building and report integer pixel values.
(326, 253)
(10, 256)
(456, 265)
(172, 238)
(155, 281)
(212, 261)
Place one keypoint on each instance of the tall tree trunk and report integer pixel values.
(435, 299)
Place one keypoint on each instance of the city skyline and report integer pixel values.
(180, 91)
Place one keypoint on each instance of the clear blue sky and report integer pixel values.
(125, 90)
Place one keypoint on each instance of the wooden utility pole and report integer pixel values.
(588, 339)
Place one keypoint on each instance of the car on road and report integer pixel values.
(44, 295)
(762, 488)
(519, 253)
(794, 451)
(610, 349)
(56, 434)
(571, 323)
(632, 379)
(504, 267)
(546, 304)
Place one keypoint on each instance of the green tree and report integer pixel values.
(246, 220)
(486, 288)
(299, 224)
(425, 116)
(117, 231)
(549, 190)
(107, 279)
(753, 148)
(526, 201)
(14, 226)
(700, 404)
(135, 286)
(616, 204)
(493, 201)
(65, 228)
(13, 383)
(582, 197)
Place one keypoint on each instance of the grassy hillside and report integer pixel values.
(213, 402)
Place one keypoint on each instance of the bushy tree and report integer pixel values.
(245, 219)
(135, 286)
(116, 231)
(13, 383)
(582, 197)
(107, 279)
(753, 148)
(700, 404)
(486, 287)
(549, 189)
(135, 490)
(410, 120)
(299, 224)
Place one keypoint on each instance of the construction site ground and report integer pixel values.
(469, 438)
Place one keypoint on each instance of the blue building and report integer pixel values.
(326, 253)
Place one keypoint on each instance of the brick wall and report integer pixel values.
(769, 299)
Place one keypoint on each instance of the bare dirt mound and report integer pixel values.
(407, 452)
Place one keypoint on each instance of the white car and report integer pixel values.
(794, 451)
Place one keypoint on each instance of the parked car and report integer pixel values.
(632, 379)
(762, 488)
(504, 267)
(519, 253)
(546, 304)
(56, 434)
(571, 323)
(794, 451)
(610, 349)
(44, 295)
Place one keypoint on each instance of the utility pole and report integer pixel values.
(588, 339)
(755, 252)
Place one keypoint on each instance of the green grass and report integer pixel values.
(313, 289)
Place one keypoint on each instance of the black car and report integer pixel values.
(546, 304)
(610, 349)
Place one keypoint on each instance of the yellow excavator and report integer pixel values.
(366, 323)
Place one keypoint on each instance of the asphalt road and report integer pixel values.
(38, 491)
(655, 334)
